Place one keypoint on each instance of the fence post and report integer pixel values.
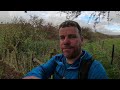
(102, 44)
(112, 54)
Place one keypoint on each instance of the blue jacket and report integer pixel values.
(67, 71)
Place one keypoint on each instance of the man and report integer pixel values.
(66, 65)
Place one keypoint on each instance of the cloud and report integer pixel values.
(56, 18)
(4, 16)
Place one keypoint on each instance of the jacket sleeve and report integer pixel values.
(97, 71)
(43, 71)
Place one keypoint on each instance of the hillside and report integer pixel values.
(23, 43)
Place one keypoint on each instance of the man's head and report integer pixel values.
(70, 39)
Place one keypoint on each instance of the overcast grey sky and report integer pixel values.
(56, 18)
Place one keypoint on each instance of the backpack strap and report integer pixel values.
(57, 73)
(84, 68)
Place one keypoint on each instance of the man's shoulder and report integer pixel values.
(97, 65)
(96, 62)
(97, 70)
(58, 56)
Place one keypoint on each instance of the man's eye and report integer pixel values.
(62, 37)
(72, 36)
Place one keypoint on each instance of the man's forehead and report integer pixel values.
(68, 30)
(68, 34)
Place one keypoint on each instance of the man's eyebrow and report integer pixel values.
(71, 34)
(61, 35)
(68, 35)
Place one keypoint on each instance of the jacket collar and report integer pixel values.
(84, 56)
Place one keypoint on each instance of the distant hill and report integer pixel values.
(4, 17)
(90, 35)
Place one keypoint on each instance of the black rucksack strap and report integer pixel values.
(84, 68)
(82, 71)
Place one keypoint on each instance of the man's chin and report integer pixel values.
(68, 56)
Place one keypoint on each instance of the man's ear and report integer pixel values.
(82, 39)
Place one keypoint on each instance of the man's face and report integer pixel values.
(70, 42)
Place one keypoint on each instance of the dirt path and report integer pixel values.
(7, 72)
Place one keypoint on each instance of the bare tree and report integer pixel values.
(97, 15)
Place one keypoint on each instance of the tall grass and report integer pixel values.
(22, 41)
(104, 53)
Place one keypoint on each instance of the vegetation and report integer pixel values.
(102, 51)
(26, 44)
(95, 16)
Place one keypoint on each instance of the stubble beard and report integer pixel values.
(74, 55)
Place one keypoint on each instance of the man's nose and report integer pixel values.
(66, 40)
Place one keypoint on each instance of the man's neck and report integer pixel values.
(71, 61)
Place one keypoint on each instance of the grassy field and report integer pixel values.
(102, 51)
(21, 44)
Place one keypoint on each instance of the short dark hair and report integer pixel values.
(69, 23)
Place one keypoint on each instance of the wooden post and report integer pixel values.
(99, 42)
(102, 44)
(54, 52)
(112, 54)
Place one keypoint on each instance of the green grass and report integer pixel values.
(104, 53)
(19, 45)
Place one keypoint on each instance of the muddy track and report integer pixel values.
(7, 72)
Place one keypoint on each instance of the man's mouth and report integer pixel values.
(67, 48)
